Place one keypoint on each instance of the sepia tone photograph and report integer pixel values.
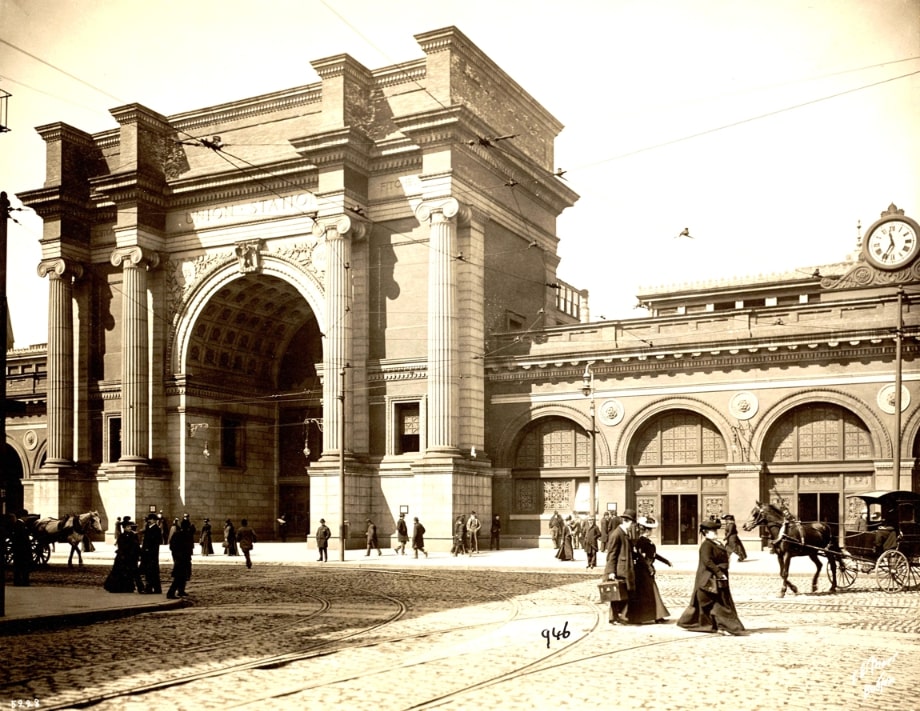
(450, 355)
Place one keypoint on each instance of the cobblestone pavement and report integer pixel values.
(300, 637)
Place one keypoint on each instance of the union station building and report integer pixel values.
(340, 301)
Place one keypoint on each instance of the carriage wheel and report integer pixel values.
(846, 573)
(892, 571)
(41, 552)
(914, 577)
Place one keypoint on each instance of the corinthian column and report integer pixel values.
(61, 274)
(337, 351)
(443, 339)
(135, 353)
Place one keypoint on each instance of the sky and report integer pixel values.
(769, 129)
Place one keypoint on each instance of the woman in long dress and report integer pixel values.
(566, 546)
(647, 605)
(712, 608)
(207, 545)
(230, 538)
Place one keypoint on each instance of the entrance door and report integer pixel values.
(679, 519)
(819, 507)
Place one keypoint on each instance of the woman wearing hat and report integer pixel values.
(566, 547)
(206, 541)
(711, 608)
(648, 605)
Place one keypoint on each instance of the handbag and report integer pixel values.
(613, 591)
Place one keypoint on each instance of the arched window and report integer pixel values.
(818, 433)
(553, 443)
(679, 437)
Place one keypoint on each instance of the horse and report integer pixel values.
(793, 538)
(70, 529)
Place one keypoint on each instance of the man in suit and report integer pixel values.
(620, 563)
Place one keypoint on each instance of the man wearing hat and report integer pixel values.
(150, 555)
(323, 534)
(620, 563)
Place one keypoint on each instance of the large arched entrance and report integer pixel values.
(252, 361)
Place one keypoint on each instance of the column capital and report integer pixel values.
(341, 226)
(135, 257)
(60, 267)
(443, 209)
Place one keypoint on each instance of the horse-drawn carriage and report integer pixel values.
(45, 532)
(885, 541)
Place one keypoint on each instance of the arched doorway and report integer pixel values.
(815, 454)
(550, 472)
(251, 367)
(678, 461)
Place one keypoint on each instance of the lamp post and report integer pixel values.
(896, 459)
(587, 389)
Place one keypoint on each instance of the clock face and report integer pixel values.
(892, 244)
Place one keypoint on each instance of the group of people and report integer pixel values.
(137, 555)
(634, 595)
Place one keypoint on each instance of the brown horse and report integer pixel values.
(70, 529)
(793, 538)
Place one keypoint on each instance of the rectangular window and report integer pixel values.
(408, 427)
(231, 443)
(113, 450)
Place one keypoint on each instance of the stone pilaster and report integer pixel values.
(443, 324)
(61, 274)
(135, 357)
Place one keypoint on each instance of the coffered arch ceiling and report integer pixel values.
(257, 332)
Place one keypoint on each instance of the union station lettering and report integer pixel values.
(238, 212)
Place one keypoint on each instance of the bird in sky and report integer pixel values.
(685, 233)
(489, 141)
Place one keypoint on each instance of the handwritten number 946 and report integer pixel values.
(553, 634)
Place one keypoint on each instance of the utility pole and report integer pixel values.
(898, 337)
(342, 527)
(4, 316)
(588, 391)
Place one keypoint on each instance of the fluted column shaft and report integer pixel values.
(135, 353)
(61, 274)
(337, 351)
(443, 338)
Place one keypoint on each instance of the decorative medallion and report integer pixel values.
(743, 405)
(611, 412)
(30, 439)
(885, 398)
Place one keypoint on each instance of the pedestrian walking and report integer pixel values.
(604, 527)
(323, 534)
(181, 545)
(620, 566)
(473, 524)
(592, 535)
(732, 540)
(371, 538)
(402, 535)
(648, 605)
(150, 556)
(118, 527)
(495, 533)
(418, 537)
(555, 529)
(566, 550)
(230, 538)
(172, 530)
(125, 575)
(459, 536)
(206, 540)
(192, 530)
(711, 607)
(246, 537)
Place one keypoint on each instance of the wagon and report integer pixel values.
(885, 541)
(41, 549)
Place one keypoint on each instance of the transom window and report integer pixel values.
(679, 437)
(408, 427)
(553, 443)
(816, 433)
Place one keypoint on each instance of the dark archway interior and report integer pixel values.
(258, 333)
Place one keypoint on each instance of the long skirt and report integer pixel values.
(647, 605)
(711, 612)
(565, 551)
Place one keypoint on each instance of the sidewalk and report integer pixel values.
(33, 607)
